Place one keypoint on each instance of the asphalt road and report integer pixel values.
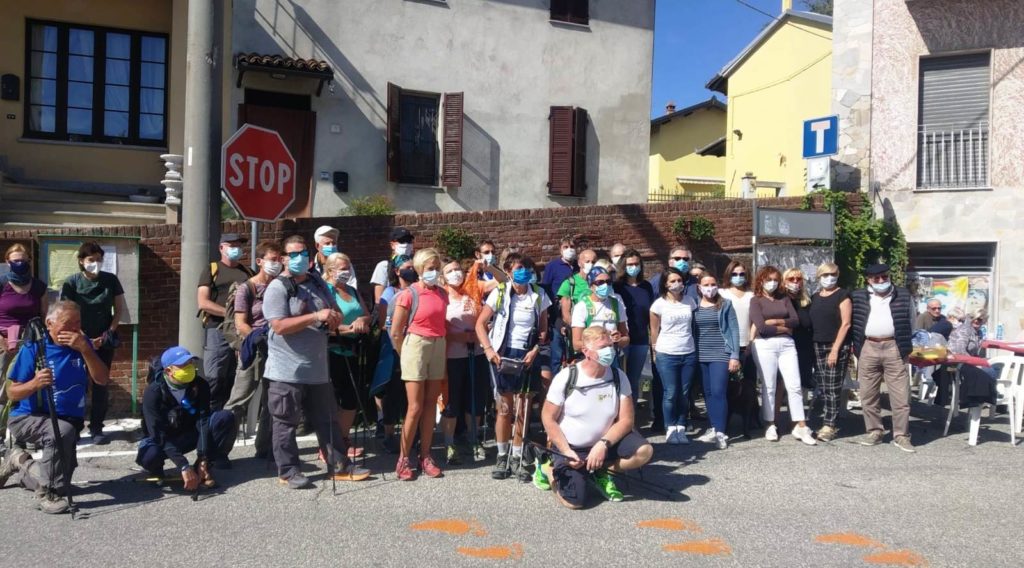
(755, 504)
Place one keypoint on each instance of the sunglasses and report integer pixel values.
(599, 282)
(744, 274)
(298, 254)
(794, 279)
(686, 258)
(833, 274)
(935, 309)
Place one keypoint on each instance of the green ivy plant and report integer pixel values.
(862, 239)
(369, 206)
(455, 242)
(696, 229)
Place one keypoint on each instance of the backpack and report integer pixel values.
(574, 375)
(592, 310)
(500, 303)
(227, 327)
(214, 269)
(412, 307)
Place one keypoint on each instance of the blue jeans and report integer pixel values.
(676, 375)
(715, 377)
(635, 357)
(557, 349)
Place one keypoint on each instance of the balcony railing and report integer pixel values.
(952, 158)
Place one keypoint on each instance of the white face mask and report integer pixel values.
(793, 287)
(343, 276)
(771, 286)
(92, 267)
(828, 282)
(587, 266)
(615, 259)
(272, 268)
(675, 287)
(709, 291)
(568, 254)
(429, 277)
(403, 249)
(455, 277)
(489, 258)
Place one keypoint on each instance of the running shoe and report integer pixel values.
(708, 436)
(452, 457)
(479, 453)
(500, 470)
(540, 476)
(403, 471)
(771, 434)
(603, 481)
(429, 468)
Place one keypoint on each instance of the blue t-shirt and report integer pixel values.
(70, 377)
(556, 271)
(638, 300)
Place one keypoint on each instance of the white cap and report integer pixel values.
(326, 231)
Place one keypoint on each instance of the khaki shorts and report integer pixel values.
(423, 358)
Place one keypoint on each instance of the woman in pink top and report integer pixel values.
(418, 331)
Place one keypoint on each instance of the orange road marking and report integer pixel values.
(513, 552)
(670, 525)
(849, 539)
(710, 547)
(897, 558)
(450, 526)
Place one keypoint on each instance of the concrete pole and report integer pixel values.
(200, 210)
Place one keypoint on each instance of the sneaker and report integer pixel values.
(403, 471)
(603, 480)
(11, 463)
(100, 439)
(296, 481)
(350, 472)
(523, 469)
(50, 503)
(429, 468)
(670, 434)
(452, 457)
(872, 438)
(708, 436)
(681, 438)
(721, 440)
(479, 453)
(903, 443)
(804, 434)
(542, 478)
(827, 433)
(379, 430)
(771, 434)
(500, 470)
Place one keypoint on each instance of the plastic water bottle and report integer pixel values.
(983, 332)
(999, 332)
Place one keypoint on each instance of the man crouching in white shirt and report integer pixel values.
(588, 416)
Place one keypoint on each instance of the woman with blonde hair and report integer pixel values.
(831, 318)
(796, 289)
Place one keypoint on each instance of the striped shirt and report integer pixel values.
(711, 344)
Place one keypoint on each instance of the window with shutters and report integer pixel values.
(92, 84)
(953, 122)
(567, 151)
(571, 11)
(417, 153)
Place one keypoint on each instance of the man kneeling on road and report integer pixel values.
(71, 362)
(177, 420)
(588, 416)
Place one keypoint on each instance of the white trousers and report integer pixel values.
(775, 355)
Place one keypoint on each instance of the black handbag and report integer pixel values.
(512, 367)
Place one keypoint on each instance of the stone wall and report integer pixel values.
(851, 92)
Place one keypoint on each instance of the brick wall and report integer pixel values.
(646, 227)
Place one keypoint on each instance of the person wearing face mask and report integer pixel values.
(556, 272)
(486, 265)
(588, 417)
(796, 290)
(387, 387)
(600, 307)
(177, 419)
(219, 359)
(513, 325)
(616, 253)
(100, 298)
(675, 351)
(831, 313)
(22, 297)
(774, 318)
(418, 330)
(680, 258)
(883, 322)
(301, 312)
(326, 240)
(248, 318)
(401, 245)
(716, 333)
(571, 292)
(72, 363)
(737, 290)
(342, 363)
(637, 297)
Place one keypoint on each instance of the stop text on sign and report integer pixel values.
(258, 173)
(267, 174)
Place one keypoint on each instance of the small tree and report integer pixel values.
(369, 206)
(455, 242)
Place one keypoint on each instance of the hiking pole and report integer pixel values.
(472, 397)
(359, 403)
(649, 485)
(38, 334)
(201, 452)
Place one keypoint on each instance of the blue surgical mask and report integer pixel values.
(298, 265)
(521, 275)
(881, 287)
(533, 278)
(606, 356)
(430, 277)
(328, 250)
(602, 290)
(633, 270)
(234, 253)
(682, 266)
(738, 280)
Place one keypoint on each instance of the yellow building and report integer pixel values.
(778, 81)
(682, 160)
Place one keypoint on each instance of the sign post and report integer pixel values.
(258, 173)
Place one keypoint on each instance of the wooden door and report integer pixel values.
(298, 130)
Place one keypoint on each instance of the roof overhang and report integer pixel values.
(712, 103)
(281, 67)
(716, 149)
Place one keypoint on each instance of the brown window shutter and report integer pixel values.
(579, 152)
(394, 132)
(579, 12)
(560, 152)
(451, 161)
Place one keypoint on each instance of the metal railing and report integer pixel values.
(664, 196)
(952, 158)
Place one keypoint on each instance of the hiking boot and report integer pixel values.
(99, 439)
(827, 433)
(542, 478)
(523, 470)
(429, 468)
(721, 440)
(403, 471)
(350, 472)
(452, 457)
(295, 481)
(50, 503)
(708, 436)
(206, 480)
(804, 434)
(479, 453)
(500, 470)
(606, 486)
(12, 463)
(771, 434)
(903, 443)
(872, 438)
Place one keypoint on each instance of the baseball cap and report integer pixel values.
(326, 231)
(401, 234)
(176, 356)
(232, 237)
(876, 269)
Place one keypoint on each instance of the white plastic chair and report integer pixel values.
(1007, 389)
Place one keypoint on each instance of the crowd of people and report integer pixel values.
(298, 345)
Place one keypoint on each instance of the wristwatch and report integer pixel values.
(607, 444)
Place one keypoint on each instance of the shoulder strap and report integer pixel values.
(214, 269)
(414, 304)
(570, 385)
(289, 286)
(500, 303)
(590, 310)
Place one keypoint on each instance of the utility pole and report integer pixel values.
(200, 210)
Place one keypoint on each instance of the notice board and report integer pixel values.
(58, 259)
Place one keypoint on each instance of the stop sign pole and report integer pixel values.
(258, 176)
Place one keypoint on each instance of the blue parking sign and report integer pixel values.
(821, 137)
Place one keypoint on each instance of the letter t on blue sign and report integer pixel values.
(821, 137)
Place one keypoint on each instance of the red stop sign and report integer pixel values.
(258, 173)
